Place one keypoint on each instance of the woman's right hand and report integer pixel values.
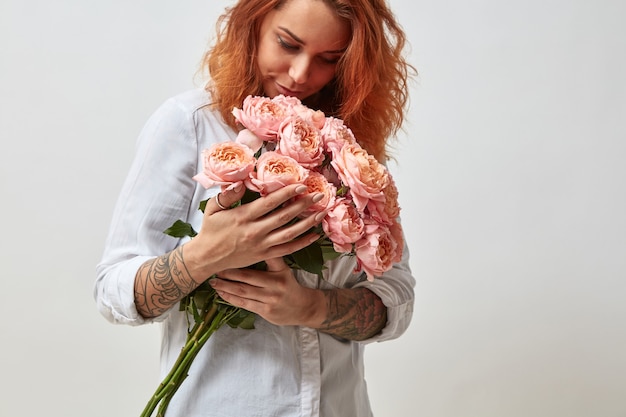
(252, 232)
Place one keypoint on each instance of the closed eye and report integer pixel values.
(286, 45)
(330, 60)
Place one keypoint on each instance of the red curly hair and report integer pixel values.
(370, 88)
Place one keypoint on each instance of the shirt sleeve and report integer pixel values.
(154, 195)
(395, 289)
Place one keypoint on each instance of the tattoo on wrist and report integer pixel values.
(165, 280)
(355, 314)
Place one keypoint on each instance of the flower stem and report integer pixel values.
(212, 319)
(202, 335)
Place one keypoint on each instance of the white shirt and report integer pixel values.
(268, 371)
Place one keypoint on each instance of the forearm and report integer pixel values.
(162, 282)
(354, 314)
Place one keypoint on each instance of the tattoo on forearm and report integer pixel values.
(162, 282)
(354, 314)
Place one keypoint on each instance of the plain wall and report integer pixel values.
(512, 185)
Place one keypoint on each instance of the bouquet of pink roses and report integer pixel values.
(284, 142)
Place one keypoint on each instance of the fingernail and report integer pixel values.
(301, 188)
(317, 197)
(319, 216)
(237, 187)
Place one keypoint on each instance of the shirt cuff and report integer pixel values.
(399, 309)
(115, 293)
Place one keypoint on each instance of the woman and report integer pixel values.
(305, 356)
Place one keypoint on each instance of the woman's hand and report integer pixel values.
(228, 239)
(274, 294)
(252, 232)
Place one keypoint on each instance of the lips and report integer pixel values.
(286, 91)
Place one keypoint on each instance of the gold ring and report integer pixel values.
(217, 201)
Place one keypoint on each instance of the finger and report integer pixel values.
(249, 304)
(276, 264)
(278, 220)
(263, 205)
(293, 245)
(282, 234)
(241, 286)
(237, 277)
(226, 198)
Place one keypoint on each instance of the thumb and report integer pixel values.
(276, 264)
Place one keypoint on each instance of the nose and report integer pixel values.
(299, 69)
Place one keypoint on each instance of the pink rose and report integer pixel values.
(287, 103)
(343, 225)
(315, 118)
(362, 173)
(275, 171)
(301, 141)
(261, 115)
(388, 210)
(252, 141)
(317, 183)
(293, 106)
(225, 164)
(377, 250)
(336, 135)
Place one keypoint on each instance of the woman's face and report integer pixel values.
(299, 46)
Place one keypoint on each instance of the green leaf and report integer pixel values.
(203, 298)
(249, 196)
(310, 259)
(328, 253)
(244, 319)
(184, 303)
(248, 321)
(197, 318)
(234, 321)
(180, 229)
(203, 205)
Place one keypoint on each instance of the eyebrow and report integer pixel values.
(300, 41)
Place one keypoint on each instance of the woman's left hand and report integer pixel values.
(274, 294)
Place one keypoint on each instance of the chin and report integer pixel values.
(269, 89)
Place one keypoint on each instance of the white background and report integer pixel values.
(512, 183)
